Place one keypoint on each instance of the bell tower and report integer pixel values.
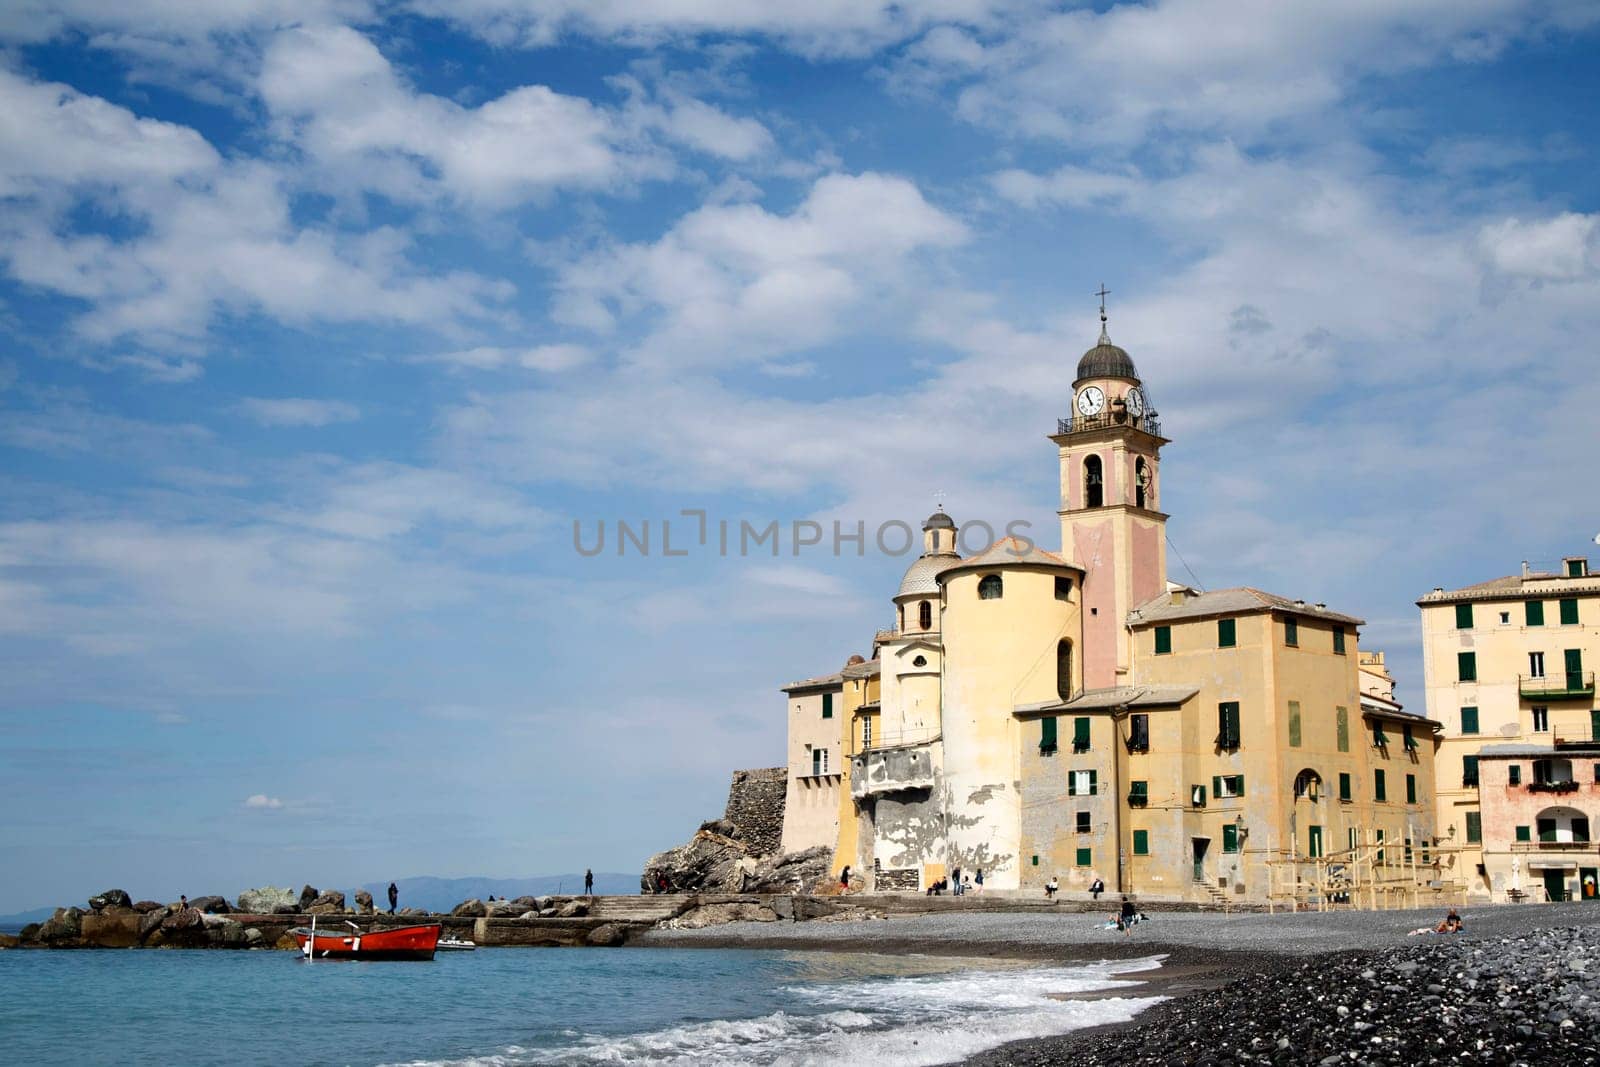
(1111, 521)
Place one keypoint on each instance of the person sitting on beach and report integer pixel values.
(1450, 925)
(1050, 888)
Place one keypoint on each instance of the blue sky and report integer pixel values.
(322, 321)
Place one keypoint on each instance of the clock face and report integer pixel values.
(1091, 401)
(1135, 402)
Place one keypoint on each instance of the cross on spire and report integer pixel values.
(1102, 293)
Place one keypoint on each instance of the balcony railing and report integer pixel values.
(1138, 800)
(1562, 685)
(1551, 846)
(1108, 420)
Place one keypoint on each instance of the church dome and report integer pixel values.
(939, 521)
(1106, 360)
(922, 577)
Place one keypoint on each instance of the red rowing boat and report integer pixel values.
(392, 943)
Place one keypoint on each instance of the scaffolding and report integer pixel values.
(1371, 875)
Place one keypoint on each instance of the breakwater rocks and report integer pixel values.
(1530, 999)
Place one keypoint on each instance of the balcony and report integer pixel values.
(1562, 685)
(881, 771)
(1110, 419)
(1138, 800)
(1551, 846)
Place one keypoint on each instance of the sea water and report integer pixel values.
(535, 1006)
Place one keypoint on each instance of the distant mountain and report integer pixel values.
(39, 915)
(442, 894)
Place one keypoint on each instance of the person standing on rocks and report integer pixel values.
(977, 880)
(588, 882)
(394, 897)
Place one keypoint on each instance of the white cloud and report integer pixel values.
(1563, 248)
(731, 282)
(298, 411)
(552, 358)
(262, 802)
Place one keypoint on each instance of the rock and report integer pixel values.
(790, 872)
(187, 919)
(211, 905)
(573, 909)
(253, 937)
(363, 902)
(502, 909)
(29, 932)
(267, 900)
(411, 911)
(111, 898)
(470, 909)
(226, 934)
(527, 903)
(287, 909)
(308, 895)
(7, 941)
(529, 914)
(718, 914)
(65, 925)
(150, 922)
(332, 900)
(607, 935)
(145, 907)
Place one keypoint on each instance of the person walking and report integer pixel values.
(844, 879)
(588, 882)
(977, 880)
(394, 897)
(1128, 916)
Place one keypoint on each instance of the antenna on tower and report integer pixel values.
(1102, 293)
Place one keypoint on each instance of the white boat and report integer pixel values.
(454, 944)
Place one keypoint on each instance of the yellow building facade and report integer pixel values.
(1073, 714)
(1508, 666)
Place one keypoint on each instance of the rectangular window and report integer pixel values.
(1341, 720)
(1338, 640)
(1294, 724)
(1541, 720)
(827, 705)
(1463, 616)
(1163, 640)
(1536, 664)
(1085, 857)
(1575, 567)
(1407, 843)
(819, 761)
(1546, 829)
(1228, 635)
(1083, 822)
(1514, 774)
(1063, 588)
(1139, 732)
(1314, 841)
(1082, 784)
(1594, 725)
(1407, 737)
(1379, 857)
(1569, 613)
(1227, 785)
(1411, 789)
(1047, 735)
(1228, 724)
(1344, 785)
(1230, 837)
(1469, 770)
(1291, 632)
(1467, 666)
(1379, 738)
(1350, 838)
(1469, 720)
(1141, 842)
(1197, 796)
(1380, 791)
(1138, 794)
(1534, 610)
(1524, 833)
(1474, 828)
(1080, 734)
(866, 731)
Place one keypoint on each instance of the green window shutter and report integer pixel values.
(1216, 785)
(1463, 616)
(1467, 666)
(1072, 783)
(1230, 837)
(1094, 783)
(1338, 639)
(1409, 738)
(1085, 857)
(1238, 785)
(1228, 635)
(1047, 734)
(1294, 724)
(1469, 770)
(1524, 834)
(827, 705)
(1535, 612)
(1380, 791)
(1569, 613)
(1344, 785)
(1474, 828)
(1291, 631)
(1594, 725)
(1342, 724)
(1514, 774)
(1228, 724)
(1141, 842)
(1197, 796)
(1163, 640)
(1080, 734)
(1469, 720)
(1411, 789)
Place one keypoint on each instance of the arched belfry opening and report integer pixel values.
(1064, 669)
(1093, 483)
(1141, 483)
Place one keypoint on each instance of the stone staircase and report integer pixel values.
(640, 909)
(1216, 896)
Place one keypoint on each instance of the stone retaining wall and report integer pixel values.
(755, 806)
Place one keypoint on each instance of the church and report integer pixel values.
(1074, 714)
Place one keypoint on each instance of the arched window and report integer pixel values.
(1308, 784)
(989, 587)
(1141, 482)
(902, 618)
(925, 615)
(1093, 484)
(1064, 669)
(920, 661)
